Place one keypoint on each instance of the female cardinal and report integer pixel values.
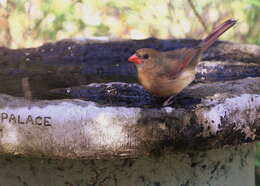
(168, 73)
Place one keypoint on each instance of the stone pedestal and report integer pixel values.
(229, 166)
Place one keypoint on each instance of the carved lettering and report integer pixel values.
(4, 116)
(12, 118)
(18, 119)
(38, 120)
(29, 120)
(46, 121)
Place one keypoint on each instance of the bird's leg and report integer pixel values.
(169, 101)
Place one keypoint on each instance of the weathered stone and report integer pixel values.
(230, 166)
(73, 63)
(78, 129)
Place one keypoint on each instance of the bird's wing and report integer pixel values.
(178, 59)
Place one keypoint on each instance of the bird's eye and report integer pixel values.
(146, 56)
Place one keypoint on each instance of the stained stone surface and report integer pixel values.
(73, 128)
(229, 166)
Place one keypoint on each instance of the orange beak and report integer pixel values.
(134, 59)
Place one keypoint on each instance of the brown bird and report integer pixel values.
(168, 73)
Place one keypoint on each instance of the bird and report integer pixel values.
(166, 74)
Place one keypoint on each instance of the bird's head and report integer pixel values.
(144, 55)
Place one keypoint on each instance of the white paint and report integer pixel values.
(204, 71)
(85, 128)
(232, 107)
(168, 109)
(111, 122)
(72, 123)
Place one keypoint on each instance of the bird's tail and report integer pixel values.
(213, 36)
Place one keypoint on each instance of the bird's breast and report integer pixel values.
(146, 79)
(165, 86)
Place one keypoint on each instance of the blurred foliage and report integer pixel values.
(29, 23)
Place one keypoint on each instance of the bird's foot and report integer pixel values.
(168, 101)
